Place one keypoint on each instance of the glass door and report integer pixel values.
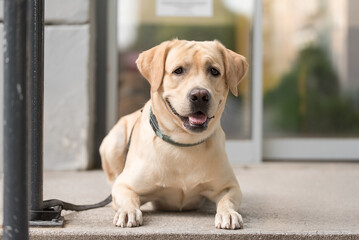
(306, 103)
(311, 79)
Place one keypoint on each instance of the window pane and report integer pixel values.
(140, 29)
(310, 65)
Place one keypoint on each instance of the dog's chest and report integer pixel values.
(170, 198)
(181, 191)
(180, 177)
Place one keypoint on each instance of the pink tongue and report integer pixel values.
(197, 118)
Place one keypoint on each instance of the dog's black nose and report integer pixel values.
(199, 96)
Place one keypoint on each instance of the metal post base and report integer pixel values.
(48, 217)
(50, 224)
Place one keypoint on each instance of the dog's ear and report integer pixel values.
(236, 67)
(151, 64)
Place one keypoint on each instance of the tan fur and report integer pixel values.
(171, 177)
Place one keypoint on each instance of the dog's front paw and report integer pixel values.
(228, 220)
(128, 218)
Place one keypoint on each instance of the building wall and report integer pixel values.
(68, 84)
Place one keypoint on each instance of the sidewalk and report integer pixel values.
(280, 201)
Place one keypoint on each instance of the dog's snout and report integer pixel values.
(199, 96)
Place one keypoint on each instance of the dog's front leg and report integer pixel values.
(127, 204)
(228, 202)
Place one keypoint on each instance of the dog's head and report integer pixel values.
(190, 80)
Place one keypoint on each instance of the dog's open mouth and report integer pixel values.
(197, 118)
(197, 121)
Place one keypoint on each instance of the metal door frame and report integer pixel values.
(250, 150)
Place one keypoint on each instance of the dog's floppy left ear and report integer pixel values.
(236, 67)
(151, 64)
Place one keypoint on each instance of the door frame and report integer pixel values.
(319, 149)
(250, 150)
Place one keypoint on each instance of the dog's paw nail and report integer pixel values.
(128, 218)
(229, 220)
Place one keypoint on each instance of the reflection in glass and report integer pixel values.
(140, 29)
(310, 68)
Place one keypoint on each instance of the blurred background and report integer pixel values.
(310, 61)
(310, 68)
(310, 85)
(308, 102)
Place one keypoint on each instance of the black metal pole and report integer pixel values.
(15, 224)
(101, 81)
(35, 48)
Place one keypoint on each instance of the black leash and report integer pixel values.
(74, 207)
(52, 209)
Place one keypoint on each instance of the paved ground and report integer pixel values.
(280, 201)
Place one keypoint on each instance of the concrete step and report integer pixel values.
(280, 201)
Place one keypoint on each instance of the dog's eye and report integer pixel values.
(214, 72)
(178, 71)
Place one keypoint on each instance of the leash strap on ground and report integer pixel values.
(74, 207)
(51, 211)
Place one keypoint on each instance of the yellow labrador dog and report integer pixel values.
(172, 152)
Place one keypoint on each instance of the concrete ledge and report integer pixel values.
(280, 201)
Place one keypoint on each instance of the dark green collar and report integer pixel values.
(160, 134)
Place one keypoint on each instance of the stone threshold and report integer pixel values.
(280, 201)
